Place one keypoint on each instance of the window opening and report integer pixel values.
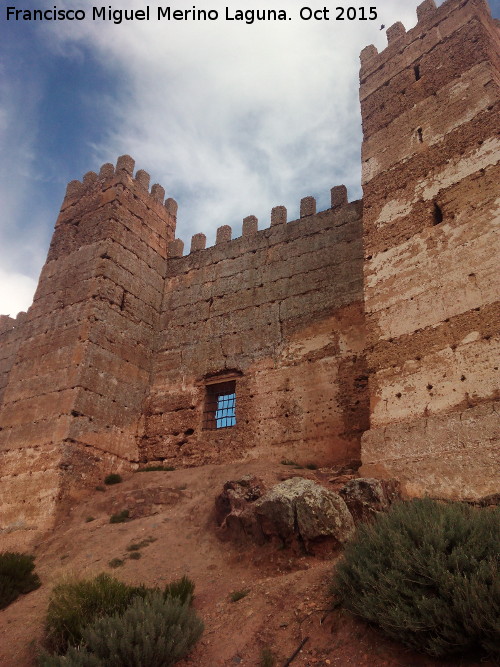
(438, 214)
(416, 69)
(220, 405)
(420, 135)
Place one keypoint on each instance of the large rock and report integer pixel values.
(300, 509)
(366, 497)
(234, 510)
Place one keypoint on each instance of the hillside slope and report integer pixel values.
(287, 598)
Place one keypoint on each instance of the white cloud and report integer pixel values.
(231, 119)
(16, 292)
(23, 223)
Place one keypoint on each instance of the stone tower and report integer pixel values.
(430, 107)
(76, 366)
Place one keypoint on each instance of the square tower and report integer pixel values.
(431, 113)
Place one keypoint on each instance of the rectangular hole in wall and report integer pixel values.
(220, 405)
(437, 214)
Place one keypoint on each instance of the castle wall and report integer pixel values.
(74, 393)
(431, 111)
(128, 341)
(280, 310)
(10, 339)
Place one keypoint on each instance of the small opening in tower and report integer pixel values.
(220, 405)
(438, 214)
(420, 135)
(416, 69)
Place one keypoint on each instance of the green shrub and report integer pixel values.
(16, 576)
(182, 589)
(113, 478)
(267, 658)
(135, 546)
(116, 562)
(238, 595)
(120, 517)
(428, 574)
(75, 604)
(135, 555)
(75, 657)
(153, 631)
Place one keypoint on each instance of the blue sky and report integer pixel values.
(230, 118)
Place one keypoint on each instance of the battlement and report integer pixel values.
(123, 173)
(424, 35)
(250, 226)
(8, 323)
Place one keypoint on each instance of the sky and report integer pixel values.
(231, 118)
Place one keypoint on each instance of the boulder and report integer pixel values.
(234, 511)
(366, 497)
(301, 509)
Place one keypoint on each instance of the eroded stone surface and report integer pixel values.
(366, 497)
(302, 509)
(431, 110)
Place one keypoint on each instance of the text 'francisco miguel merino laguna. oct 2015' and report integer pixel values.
(156, 13)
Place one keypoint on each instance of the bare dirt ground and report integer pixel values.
(287, 599)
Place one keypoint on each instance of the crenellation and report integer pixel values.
(368, 330)
(426, 10)
(367, 55)
(435, 25)
(107, 171)
(7, 323)
(74, 189)
(338, 196)
(89, 179)
(395, 32)
(307, 206)
(158, 193)
(223, 234)
(176, 248)
(278, 216)
(125, 163)
(278, 225)
(142, 177)
(198, 242)
(250, 226)
(171, 207)
(279, 236)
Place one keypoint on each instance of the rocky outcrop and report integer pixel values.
(296, 510)
(300, 509)
(366, 497)
(234, 508)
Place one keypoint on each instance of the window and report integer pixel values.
(220, 405)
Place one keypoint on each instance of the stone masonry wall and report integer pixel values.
(74, 395)
(281, 310)
(112, 365)
(431, 167)
(10, 339)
